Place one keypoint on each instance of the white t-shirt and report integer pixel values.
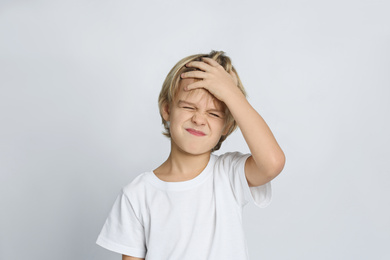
(196, 219)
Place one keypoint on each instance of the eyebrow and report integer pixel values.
(182, 102)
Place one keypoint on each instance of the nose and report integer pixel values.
(198, 119)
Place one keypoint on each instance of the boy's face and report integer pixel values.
(197, 120)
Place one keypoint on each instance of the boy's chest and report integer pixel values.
(171, 214)
(181, 206)
(189, 215)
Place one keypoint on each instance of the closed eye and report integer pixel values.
(189, 108)
(215, 115)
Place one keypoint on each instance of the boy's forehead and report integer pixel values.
(198, 96)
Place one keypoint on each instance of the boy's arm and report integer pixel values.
(267, 159)
(126, 257)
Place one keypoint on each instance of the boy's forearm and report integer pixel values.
(263, 146)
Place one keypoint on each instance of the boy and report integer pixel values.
(190, 207)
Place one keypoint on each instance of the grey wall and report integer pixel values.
(78, 112)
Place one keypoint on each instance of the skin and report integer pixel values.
(126, 257)
(191, 110)
(267, 159)
(190, 153)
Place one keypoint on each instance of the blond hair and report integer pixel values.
(170, 88)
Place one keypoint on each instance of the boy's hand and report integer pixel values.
(214, 78)
(267, 159)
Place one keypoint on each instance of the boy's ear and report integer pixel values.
(165, 111)
(226, 128)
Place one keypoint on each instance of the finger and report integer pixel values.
(194, 74)
(234, 76)
(210, 61)
(195, 85)
(198, 64)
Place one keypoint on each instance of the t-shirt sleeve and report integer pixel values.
(234, 165)
(123, 232)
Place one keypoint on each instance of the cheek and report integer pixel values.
(218, 126)
(178, 118)
(182, 116)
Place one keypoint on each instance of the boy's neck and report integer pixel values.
(182, 167)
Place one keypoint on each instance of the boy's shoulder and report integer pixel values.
(231, 157)
(137, 185)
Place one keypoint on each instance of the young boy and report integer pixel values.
(190, 207)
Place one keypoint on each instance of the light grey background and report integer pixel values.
(79, 119)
